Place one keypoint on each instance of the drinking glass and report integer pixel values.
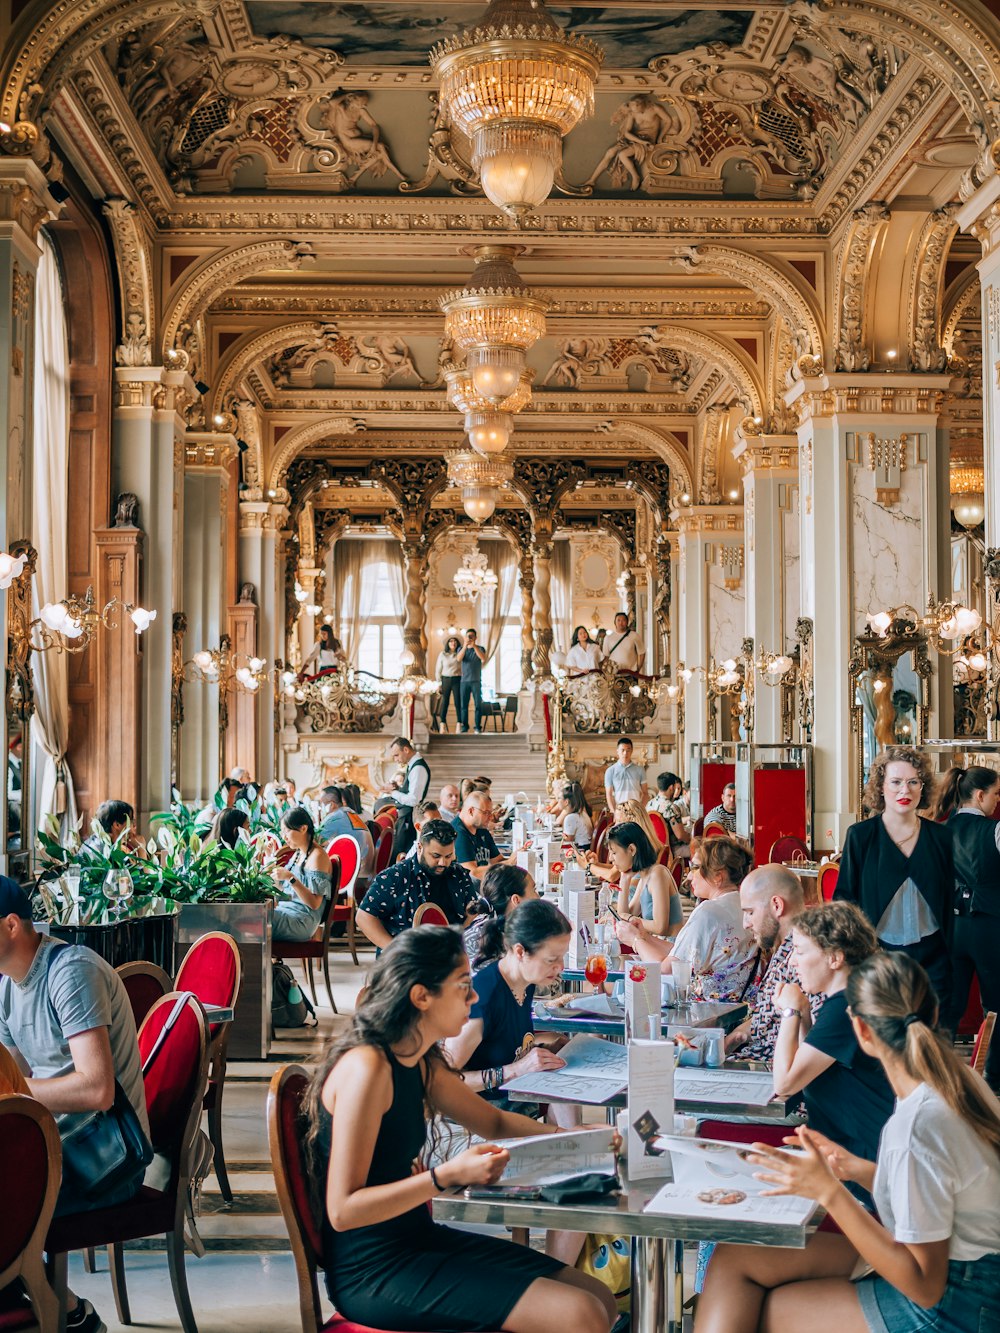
(596, 969)
(681, 973)
(118, 889)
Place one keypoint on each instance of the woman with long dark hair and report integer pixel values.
(975, 938)
(574, 817)
(226, 826)
(327, 654)
(449, 673)
(308, 875)
(503, 888)
(584, 654)
(934, 1248)
(646, 889)
(388, 1264)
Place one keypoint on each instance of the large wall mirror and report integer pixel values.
(889, 693)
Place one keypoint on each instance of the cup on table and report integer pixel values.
(681, 973)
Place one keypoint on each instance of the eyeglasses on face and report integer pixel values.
(897, 784)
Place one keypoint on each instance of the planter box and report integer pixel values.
(250, 926)
(133, 939)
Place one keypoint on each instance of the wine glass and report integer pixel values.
(118, 888)
(596, 968)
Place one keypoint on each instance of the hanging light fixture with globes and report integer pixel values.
(515, 84)
(480, 480)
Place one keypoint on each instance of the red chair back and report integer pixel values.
(660, 825)
(291, 1181)
(678, 870)
(698, 828)
(714, 830)
(211, 970)
(429, 914)
(177, 1081)
(32, 1169)
(788, 848)
(144, 984)
(349, 853)
(603, 820)
(829, 873)
(383, 820)
(973, 1016)
(383, 849)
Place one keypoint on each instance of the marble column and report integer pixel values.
(261, 526)
(869, 541)
(770, 472)
(148, 461)
(24, 206)
(542, 613)
(206, 494)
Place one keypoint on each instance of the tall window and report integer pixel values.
(502, 673)
(380, 641)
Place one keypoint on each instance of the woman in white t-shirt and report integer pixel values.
(934, 1254)
(585, 654)
(574, 818)
(721, 950)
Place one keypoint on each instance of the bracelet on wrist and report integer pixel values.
(435, 1182)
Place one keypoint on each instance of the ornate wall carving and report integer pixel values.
(926, 351)
(853, 262)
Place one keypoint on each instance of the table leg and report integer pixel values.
(675, 1248)
(649, 1291)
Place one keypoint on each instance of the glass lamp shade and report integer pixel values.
(489, 431)
(519, 177)
(496, 371)
(969, 509)
(479, 502)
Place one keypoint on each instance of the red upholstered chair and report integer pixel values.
(603, 820)
(212, 970)
(349, 854)
(969, 1023)
(660, 825)
(385, 820)
(383, 849)
(827, 878)
(984, 1037)
(144, 984)
(175, 1090)
(429, 914)
(284, 1133)
(788, 848)
(698, 827)
(32, 1169)
(714, 830)
(319, 946)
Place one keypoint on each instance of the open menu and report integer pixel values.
(597, 1005)
(723, 1087)
(543, 1159)
(715, 1180)
(595, 1071)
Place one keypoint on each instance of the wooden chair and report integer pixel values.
(349, 854)
(291, 1183)
(383, 850)
(787, 847)
(175, 1089)
(429, 914)
(212, 970)
(603, 820)
(510, 704)
(984, 1038)
(319, 946)
(144, 983)
(714, 830)
(660, 825)
(32, 1171)
(826, 880)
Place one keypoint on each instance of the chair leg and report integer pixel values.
(43, 1298)
(89, 1260)
(351, 941)
(326, 978)
(215, 1134)
(116, 1267)
(56, 1267)
(178, 1279)
(307, 963)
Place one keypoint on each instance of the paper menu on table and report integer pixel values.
(598, 1005)
(526, 860)
(650, 1106)
(544, 1157)
(581, 909)
(595, 1071)
(518, 834)
(724, 1087)
(715, 1180)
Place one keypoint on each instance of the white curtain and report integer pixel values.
(50, 504)
(360, 568)
(562, 595)
(494, 610)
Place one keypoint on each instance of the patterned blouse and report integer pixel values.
(394, 895)
(764, 1021)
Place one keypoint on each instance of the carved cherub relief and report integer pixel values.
(642, 122)
(357, 136)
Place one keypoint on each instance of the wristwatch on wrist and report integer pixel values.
(790, 1013)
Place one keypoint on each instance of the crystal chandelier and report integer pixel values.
(515, 84)
(494, 319)
(968, 485)
(480, 479)
(487, 426)
(475, 579)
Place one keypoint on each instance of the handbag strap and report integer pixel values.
(165, 1031)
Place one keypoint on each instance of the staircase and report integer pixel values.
(505, 759)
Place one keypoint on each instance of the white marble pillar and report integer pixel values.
(260, 544)
(770, 471)
(980, 215)
(869, 541)
(206, 493)
(148, 460)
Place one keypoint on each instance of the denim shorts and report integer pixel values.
(970, 1304)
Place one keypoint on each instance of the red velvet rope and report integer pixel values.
(548, 719)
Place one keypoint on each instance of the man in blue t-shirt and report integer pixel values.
(474, 845)
(473, 660)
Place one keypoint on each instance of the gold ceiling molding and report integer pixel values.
(299, 439)
(710, 443)
(135, 280)
(850, 297)
(967, 306)
(926, 294)
(888, 394)
(662, 446)
(204, 281)
(251, 348)
(709, 518)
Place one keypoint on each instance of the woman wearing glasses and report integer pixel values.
(898, 867)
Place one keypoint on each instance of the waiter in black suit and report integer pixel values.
(407, 790)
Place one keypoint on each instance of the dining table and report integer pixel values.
(657, 1239)
(696, 1014)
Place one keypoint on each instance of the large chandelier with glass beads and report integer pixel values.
(515, 84)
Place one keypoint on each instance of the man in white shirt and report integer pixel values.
(408, 789)
(623, 646)
(450, 803)
(625, 781)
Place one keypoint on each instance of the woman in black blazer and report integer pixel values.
(898, 867)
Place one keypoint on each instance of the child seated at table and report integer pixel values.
(933, 1255)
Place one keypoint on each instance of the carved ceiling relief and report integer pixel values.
(851, 350)
(642, 363)
(335, 359)
(926, 351)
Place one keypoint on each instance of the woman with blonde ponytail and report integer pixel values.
(933, 1255)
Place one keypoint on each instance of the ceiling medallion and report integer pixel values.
(515, 84)
(480, 479)
(475, 579)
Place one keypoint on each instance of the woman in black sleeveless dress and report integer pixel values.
(388, 1264)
